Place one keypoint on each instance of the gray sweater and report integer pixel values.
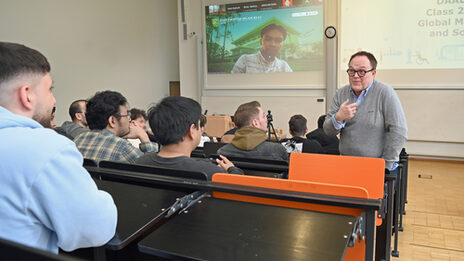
(70, 129)
(378, 128)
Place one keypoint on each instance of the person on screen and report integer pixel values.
(48, 200)
(367, 114)
(272, 37)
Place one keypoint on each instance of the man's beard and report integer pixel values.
(43, 120)
(122, 132)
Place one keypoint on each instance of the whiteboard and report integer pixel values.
(434, 115)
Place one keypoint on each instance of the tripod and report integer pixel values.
(270, 127)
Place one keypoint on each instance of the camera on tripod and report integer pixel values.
(269, 117)
(270, 127)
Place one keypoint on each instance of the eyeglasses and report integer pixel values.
(128, 115)
(360, 73)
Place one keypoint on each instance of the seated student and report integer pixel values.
(250, 138)
(47, 199)
(176, 121)
(109, 122)
(204, 135)
(78, 123)
(298, 142)
(139, 118)
(52, 119)
(229, 135)
(329, 143)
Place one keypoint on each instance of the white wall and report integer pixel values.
(305, 105)
(189, 63)
(126, 46)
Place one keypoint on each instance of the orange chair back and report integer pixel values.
(368, 173)
(364, 172)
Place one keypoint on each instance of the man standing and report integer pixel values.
(272, 37)
(78, 125)
(250, 138)
(47, 200)
(109, 121)
(367, 114)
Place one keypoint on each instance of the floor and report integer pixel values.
(434, 220)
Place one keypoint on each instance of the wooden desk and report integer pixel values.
(219, 229)
(369, 206)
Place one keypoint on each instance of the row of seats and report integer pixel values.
(399, 189)
(268, 168)
(338, 176)
(312, 173)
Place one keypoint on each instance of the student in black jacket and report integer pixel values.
(329, 143)
(176, 125)
(298, 142)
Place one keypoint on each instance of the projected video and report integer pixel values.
(265, 36)
(412, 34)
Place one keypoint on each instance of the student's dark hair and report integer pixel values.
(137, 113)
(369, 56)
(170, 120)
(271, 27)
(245, 113)
(101, 106)
(74, 108)
(320, 121)
(203, 121)
(297, 125)
(17, 59)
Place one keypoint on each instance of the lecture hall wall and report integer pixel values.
(126, 46)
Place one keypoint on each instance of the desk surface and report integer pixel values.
(255, 169)
(219, 229)
(139, 208)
